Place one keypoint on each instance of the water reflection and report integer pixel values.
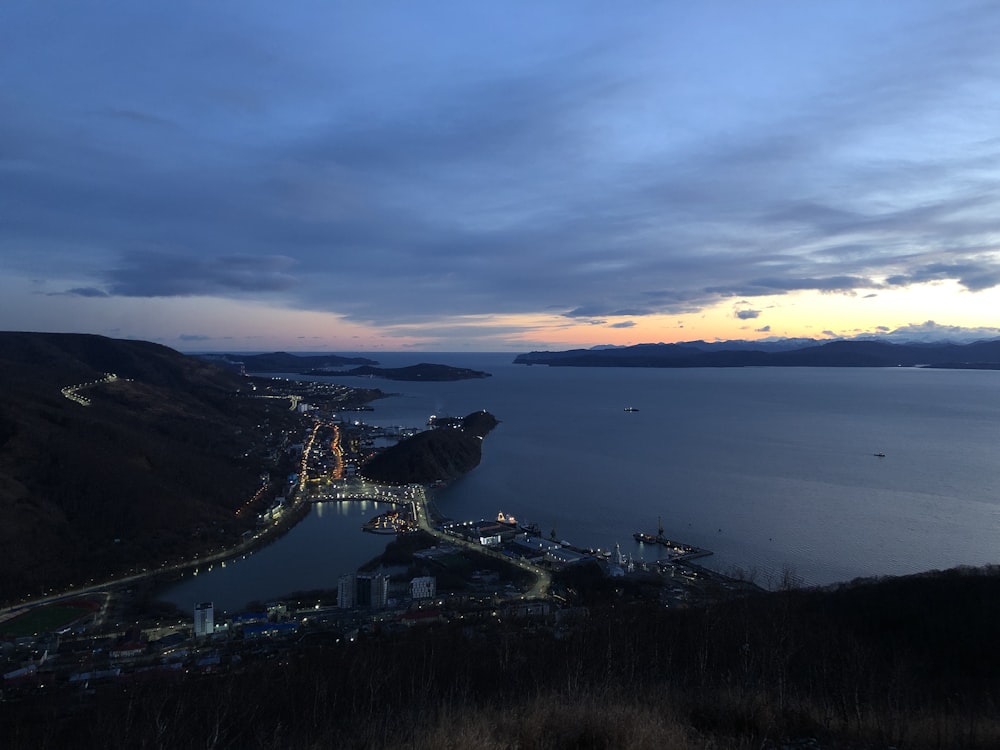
(326, 544)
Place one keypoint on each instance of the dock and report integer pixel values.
(676, 551)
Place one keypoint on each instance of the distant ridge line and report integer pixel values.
(841, 353)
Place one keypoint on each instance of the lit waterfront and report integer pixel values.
(771, 469)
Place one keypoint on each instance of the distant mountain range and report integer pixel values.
(423, 372)
(778, 353)
(284, 362)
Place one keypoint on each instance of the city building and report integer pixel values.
(345, 592)
(423, 587)
(363, 590)
(204, 619)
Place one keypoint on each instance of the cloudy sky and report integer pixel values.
(493, 176)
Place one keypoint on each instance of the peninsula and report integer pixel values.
(423, 372)
(440, 454)
(803, 353)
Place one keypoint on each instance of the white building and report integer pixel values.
(424, 587)
(204, 619)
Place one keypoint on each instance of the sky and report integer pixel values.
(484, 176)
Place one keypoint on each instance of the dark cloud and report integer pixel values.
(194, 337)
(778, 285)
(623, 324)
(932, 331)
(588, 172)
(82, 292)
(764, 329)
(973, 275)
(163, 275)
(592, 310)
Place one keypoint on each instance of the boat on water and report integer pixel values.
(630, 408)
(879, 455)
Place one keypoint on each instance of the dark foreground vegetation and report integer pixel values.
(905, 663)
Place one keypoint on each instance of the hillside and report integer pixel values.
(854, 353)
(152, 467)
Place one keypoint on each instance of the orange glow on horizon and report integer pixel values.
(213, 324)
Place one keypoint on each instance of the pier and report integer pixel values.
(676, 551)
(356, 488)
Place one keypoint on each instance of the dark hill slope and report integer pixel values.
(443, 453)
(153, 468)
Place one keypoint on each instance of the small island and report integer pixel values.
(424, 371)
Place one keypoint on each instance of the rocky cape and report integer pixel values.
(853, 353)
(440, 454)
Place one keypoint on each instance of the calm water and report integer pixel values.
(771, 468)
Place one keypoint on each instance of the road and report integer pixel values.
(543, 578)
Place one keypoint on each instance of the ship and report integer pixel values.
(530, 528)
(630, 408)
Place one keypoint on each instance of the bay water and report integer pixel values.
(772, 469)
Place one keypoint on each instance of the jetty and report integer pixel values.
(676, 551)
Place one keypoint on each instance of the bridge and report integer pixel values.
(356, 488)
